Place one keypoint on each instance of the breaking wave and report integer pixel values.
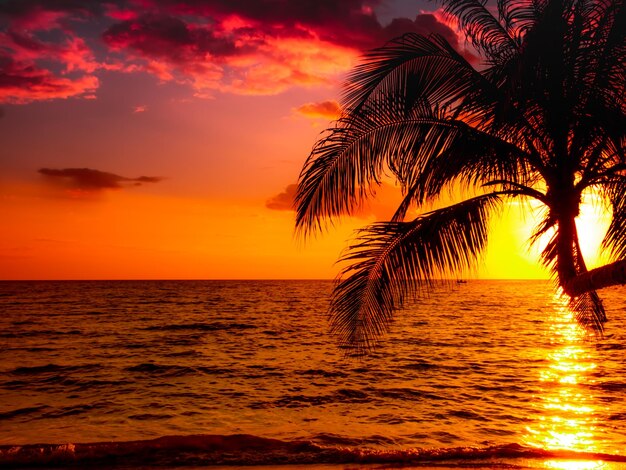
(245, 449)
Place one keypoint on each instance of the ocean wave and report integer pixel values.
(49, 368)
(335, 440)
(34, 333)
(50, 412)
(172, 370)
(208, 326)
(245, 449)
(300, 401)
(55, 382)
(322, 373)
(405, 394)
(22, 411)
(73, 410)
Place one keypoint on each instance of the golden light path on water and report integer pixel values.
(567, 410)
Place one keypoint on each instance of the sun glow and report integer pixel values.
(591, 224)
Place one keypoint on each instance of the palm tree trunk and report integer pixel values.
(605, 276)
(566, 249)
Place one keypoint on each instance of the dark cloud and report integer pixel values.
(147, 179)
(350, 23)
(283, 201)
(274, 11)
(87, 179)
(346, 22)
(424, 24)
(16, 8)
(163, 36)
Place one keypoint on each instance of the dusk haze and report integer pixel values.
(313, 234)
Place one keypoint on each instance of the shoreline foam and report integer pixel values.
(248, 450)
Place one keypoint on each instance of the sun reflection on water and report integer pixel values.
(575, 464)
(567, 411)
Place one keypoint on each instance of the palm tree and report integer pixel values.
(542, 117)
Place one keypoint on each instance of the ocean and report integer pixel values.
(239, 373)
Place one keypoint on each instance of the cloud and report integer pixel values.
(425, 23)
(89, 180)
(228, 56)
(22, 83)
(283, 201)
(257, 47)
(166, 37)
(33, 68)
(142, 108)
(325, 109)
(380, 207)
(42, 14)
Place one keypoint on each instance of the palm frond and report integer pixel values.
(607, 28)
(425, 67)
(428, 69)
(344, 167)
(589, 311)
(519, 16)
(599, 71)
(483, 29)
(390, 259)
(393, 132)
(470, 159)
(548, 255)
(605, 51)
(588, 307)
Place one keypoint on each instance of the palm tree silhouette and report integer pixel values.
(542, 117)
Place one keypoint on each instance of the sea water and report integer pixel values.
(245, 372)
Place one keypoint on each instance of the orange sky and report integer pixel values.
(216, 105)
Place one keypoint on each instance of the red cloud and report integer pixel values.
(235, 46)
(229, 56)
(257, 46)
(26, 73)
(23, 83)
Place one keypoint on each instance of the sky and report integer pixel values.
(146, 139)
